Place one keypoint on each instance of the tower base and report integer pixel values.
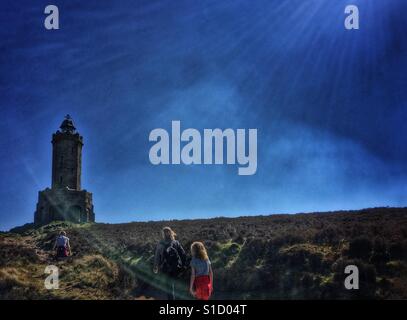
(64, 205)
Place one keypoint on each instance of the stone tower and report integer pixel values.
(65, 200)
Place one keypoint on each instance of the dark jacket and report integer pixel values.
(159, 252)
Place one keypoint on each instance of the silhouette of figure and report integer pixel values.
(62, 245)
(170, 259)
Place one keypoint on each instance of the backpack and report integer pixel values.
(62, 241)
(172, 261)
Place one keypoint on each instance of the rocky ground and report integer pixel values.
(299, 256)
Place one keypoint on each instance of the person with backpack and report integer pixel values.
(62, 246)
(170, 259)
(201, 283)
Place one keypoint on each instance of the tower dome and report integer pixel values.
(67, 125)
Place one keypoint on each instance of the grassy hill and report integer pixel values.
(299, 256)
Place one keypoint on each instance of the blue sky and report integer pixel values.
(330, 105)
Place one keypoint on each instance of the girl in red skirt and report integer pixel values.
(201, 284)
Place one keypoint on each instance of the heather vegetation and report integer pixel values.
(300, 256)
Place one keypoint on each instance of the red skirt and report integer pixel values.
(203, 287)
(62, 252)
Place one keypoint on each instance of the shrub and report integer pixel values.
(380, 255)
(328, 235)
(288, 239)
(395, 268)
(398, 250)
(360, 248)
